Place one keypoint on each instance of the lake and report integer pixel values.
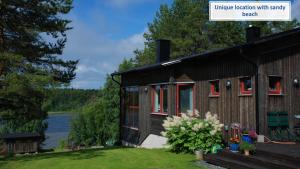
(58, 128)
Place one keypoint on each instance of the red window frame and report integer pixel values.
(278, 89)
(177, 96)
(161, 96)
(212, 88)
(242, 86)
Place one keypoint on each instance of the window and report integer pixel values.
(275, 85)
(131, 107)
(246, 86)
(185, 98)
(160, 99)
(214, 88)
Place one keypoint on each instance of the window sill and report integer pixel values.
(273, 94)
(245, 95)
(132, 128)
(160, 114)
(212, 96)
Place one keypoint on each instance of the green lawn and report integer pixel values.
(117, 158)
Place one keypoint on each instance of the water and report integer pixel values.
(58, 129)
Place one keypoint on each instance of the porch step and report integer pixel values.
(286, 159)
(261, 160)
(266, 160)
(154, 141)
(230, 163)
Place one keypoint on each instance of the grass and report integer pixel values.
(114, 158)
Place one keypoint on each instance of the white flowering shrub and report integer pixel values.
(188, 133)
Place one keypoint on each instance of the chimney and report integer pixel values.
(162, 50)
(252, 33)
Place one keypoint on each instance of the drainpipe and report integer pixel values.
(120, 103)
(256, 88)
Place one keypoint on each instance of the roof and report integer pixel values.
(203, 55)
(20, 135)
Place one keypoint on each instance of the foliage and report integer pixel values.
(68, 99)
(252, 134)
(112, 158)
(247, 146)
(98, 123)
(245, 131)
(188, 133)
(61, 145)
(186, 23)
(91, 128)
(32, 35)
(283, 134)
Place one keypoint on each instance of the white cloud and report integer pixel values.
(296, 9)
(98, 54)
(125, 3)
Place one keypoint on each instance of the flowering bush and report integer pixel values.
(188, 133)
(234, 140)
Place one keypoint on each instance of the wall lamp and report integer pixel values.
(146, 89)
(296, 82)
(228, 84)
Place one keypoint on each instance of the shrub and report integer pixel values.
(188, 133)
(247, 146)
(94, 126)
(62, 144)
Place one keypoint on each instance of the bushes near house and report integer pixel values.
(189, 133)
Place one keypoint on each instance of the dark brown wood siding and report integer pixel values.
(230, 106)
(285, 64)
(273, 58)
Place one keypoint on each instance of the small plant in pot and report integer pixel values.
(246, 137)
(252, 134)
(247, 147)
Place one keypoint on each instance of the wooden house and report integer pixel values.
(18, 143)
(241, 84)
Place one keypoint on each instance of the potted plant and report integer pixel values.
(247, 147)
(246, 137)
(252, 134)
(234, 144)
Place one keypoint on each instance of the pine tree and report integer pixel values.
(32, 36)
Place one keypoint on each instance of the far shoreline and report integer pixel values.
(62, 112)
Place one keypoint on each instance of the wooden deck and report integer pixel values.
(267, 156)
(281, 149)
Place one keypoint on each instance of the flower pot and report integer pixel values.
(234, 147)
(246, 152)
(246, 138)
(199, 154)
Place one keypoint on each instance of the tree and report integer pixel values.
(186, 23)
(32, 35)
(99, 121)
(69, 100)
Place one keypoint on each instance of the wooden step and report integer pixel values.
(230, 163)
(266, 160)
(284, 158)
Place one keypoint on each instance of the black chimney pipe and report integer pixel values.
(252, 33)
(162, 50)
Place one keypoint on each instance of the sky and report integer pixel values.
(107, 31)
(104, 33)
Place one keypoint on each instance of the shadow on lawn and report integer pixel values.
(74, 155)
